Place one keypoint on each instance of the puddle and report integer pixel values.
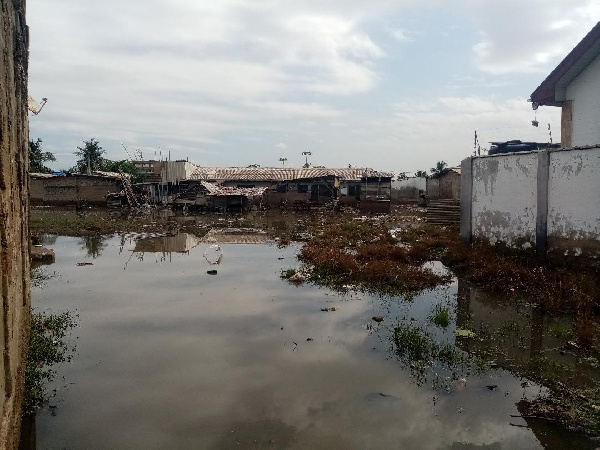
(169, 356)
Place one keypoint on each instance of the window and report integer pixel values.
(303, 188)
(282, 188)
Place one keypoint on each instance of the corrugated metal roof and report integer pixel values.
(279, 173)
(213, 189)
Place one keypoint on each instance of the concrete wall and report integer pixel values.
(574, 199)
(14, 214)
(546, 199)
(504, 198)
(408, 190)
(67, 190)
(584, 94)
(446, 186)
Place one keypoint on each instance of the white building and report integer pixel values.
(575, 86)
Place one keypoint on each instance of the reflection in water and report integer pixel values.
(171, 357)
(93, 244)
(179, 243)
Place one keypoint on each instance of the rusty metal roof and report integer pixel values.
(275, 174)
(213, 189)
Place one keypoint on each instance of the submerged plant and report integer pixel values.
(440, 316)
(418, 348)
(47, 347)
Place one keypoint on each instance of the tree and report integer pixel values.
(37, 157)
(402, 176)
(137, 176)
(439, 169)
(90, 155)
(421, 174)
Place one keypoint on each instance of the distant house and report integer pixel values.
(445, 185)
(574, 86)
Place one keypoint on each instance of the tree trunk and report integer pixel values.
(14, 215)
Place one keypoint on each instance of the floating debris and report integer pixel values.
(460, 332)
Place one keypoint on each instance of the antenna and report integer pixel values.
(126, 152)
(33, 106)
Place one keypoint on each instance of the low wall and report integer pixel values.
(547, 199)
(70, 189)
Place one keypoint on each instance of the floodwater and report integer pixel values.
(169, 356)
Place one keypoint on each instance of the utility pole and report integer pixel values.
(306, 154)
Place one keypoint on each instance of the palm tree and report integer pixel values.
(439, 168)
(421, 174)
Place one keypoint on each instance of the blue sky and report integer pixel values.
(393, 85)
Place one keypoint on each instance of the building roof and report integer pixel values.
(213, 189)
(274, 174)
(553, 89)
(95, 174)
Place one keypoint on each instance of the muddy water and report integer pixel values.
(169, 356)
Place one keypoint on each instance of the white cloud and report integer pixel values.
(532, 36)
(281, 146)
(400, 35)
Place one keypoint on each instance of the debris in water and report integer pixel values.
(214, 254)
(461, 332)
(328, 309)
(85, 264)
(211, 272)
(492, 387)
(378, 319)
(309, 339)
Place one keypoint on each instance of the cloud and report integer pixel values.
(218, 81)
(533, 36)
(400, 35)
(281, 146)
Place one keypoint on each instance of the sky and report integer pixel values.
(392, 85)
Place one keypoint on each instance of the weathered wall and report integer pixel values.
(504, 198)
(446, 186)
(14, 212)
(585, 96)
(574, 199)
(408, 190)
(548, 199)
(67, 190)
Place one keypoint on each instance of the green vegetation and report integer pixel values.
(421, 352)
(288, 273)
(69, 223)
(90, 156)
(440, 316)
(37, 157)
(47, 347)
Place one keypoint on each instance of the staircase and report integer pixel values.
(128, 191)
(443, 212)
